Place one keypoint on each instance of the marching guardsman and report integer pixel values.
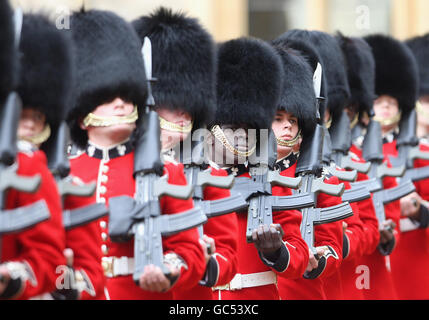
(374, 267)
(247, 99)
(328, 237)
(29, 258)
(361, 76)
(41, 84)
(111, 93)
(397, 89)
(420, 47)
(185, 98)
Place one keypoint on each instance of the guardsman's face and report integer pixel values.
(177, 117)
(31, 123)
(285, 127)
(386, 107)
(239, 137)
(109, 135)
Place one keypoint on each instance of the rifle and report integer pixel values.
(372, 151)
(357, 192)
(341, 138)
(141, 217)
(257, 191)
(56, 150)
(198, 175)
(340, 144)
(407, 145)
(309, 168)
(17, 219)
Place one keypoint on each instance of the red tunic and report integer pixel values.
(85, 242)
(352, 248)
(330, 234)
(223, 229)
(349, 270)
(410, 260)
(362, 237)
(250, 262)
(40, 247)
(373, 275)
(114, 177)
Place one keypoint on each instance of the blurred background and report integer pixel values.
(266, 19)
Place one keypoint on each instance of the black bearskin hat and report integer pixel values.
(8, 52)
(396, 71)
(109, 64)
(249, 83)
(297, 96)
(420, 48)
(333, 64)
(360, 71)
(184, 63)
(47, 65)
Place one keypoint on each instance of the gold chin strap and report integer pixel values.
(39, 138)
(328, 123)
(100, 121)
(421, 110)
(389, 121)
(170, 126)
(289, 143)
(220, 135)
(354, 121)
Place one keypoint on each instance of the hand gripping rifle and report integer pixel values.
(141, 216)
(10, 110)
(58, 163)
(372, 151)
(407, 145)
(258, 189)
(309, 168)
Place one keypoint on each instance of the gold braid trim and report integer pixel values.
(39, 138)
(289, 143)
(100, 121)
(170, 126)
(220, 135)
(420, 110)
(354, 121)
(328, 123)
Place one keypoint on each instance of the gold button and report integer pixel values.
(103, 190)
(104, 178)
(104, 236)
(103, 224)
(104, 249)
(105, 265)
(78, 276)
(102, 200)
(105, 169)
